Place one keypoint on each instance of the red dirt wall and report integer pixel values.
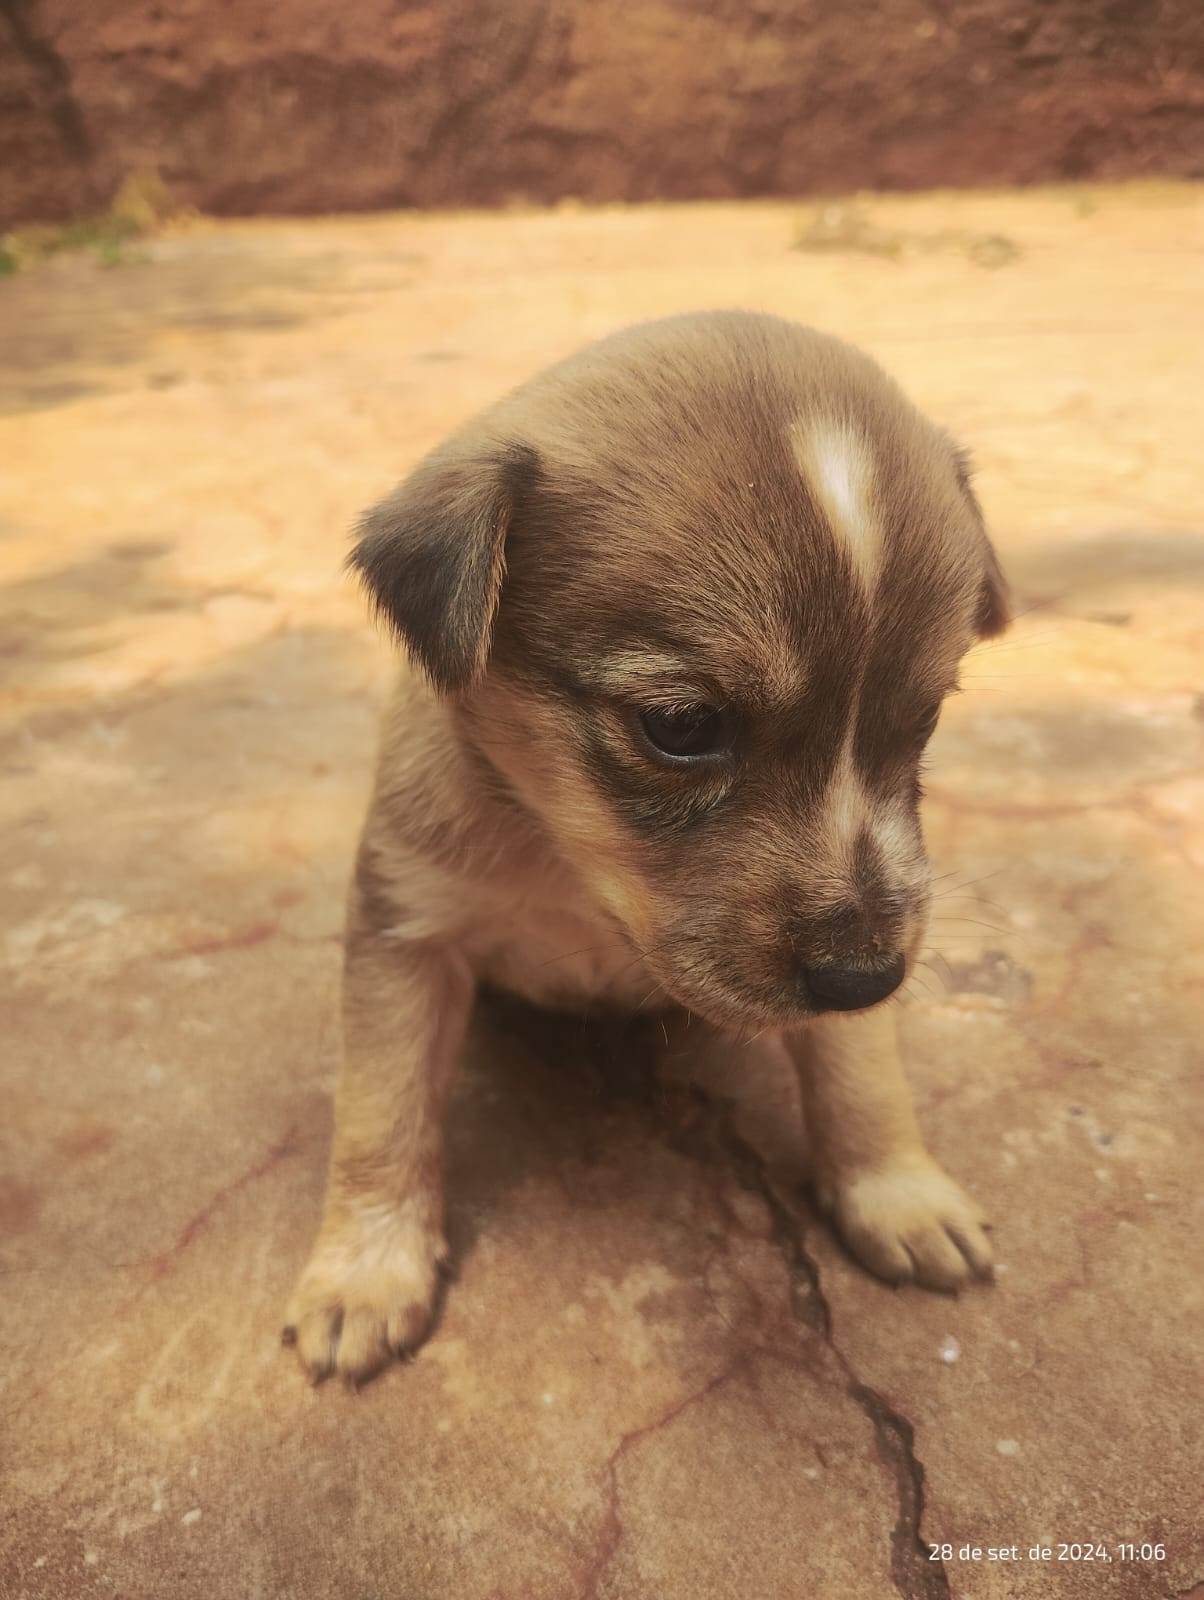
(309, 105)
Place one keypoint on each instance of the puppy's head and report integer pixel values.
(699, 594)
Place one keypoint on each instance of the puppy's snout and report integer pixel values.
(837, 988)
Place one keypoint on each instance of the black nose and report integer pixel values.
(851, 988)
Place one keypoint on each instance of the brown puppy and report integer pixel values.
(687, 606)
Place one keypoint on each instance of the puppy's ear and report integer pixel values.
(432, 555)
(994, 606)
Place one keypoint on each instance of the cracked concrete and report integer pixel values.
(656, 1374)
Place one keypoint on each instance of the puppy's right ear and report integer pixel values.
(994, 604)
(432, 555)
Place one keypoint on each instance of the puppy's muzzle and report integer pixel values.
(846, 988)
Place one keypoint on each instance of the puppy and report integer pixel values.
(685, 607)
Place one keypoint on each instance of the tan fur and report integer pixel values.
(628, 535)
(894, 1206)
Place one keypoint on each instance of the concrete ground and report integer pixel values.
(657, 1375)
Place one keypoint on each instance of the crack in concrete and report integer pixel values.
(162, 1262)
(72, 954)
(612, 1523)
(915, 1573)
(1136, 803)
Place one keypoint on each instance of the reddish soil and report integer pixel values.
(304, 106)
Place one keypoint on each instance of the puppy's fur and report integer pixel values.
(725, 518)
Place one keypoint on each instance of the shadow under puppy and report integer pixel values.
(686, 606)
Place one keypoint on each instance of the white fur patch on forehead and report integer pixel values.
(839, 466)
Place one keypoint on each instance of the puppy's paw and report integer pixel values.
(908, 1222)
(367, 1295)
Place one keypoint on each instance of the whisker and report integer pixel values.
(955, 892)
(986, 878)
(977, 923)
(1002, 645)
(587, 950)
(938, 955)
(657, 988)
(915, 978)
(1038, 605)
(974, 678)
(922, 961)
(996, 913)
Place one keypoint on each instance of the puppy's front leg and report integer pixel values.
(897, 1211)
(369, 1288)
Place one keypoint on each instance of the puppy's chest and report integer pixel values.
(552, 950)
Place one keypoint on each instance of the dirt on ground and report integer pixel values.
(657, 1376)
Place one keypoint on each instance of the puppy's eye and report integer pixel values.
(926, 723)
(686, 733)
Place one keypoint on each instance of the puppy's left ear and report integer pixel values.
(994, 605)
(432, 555)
